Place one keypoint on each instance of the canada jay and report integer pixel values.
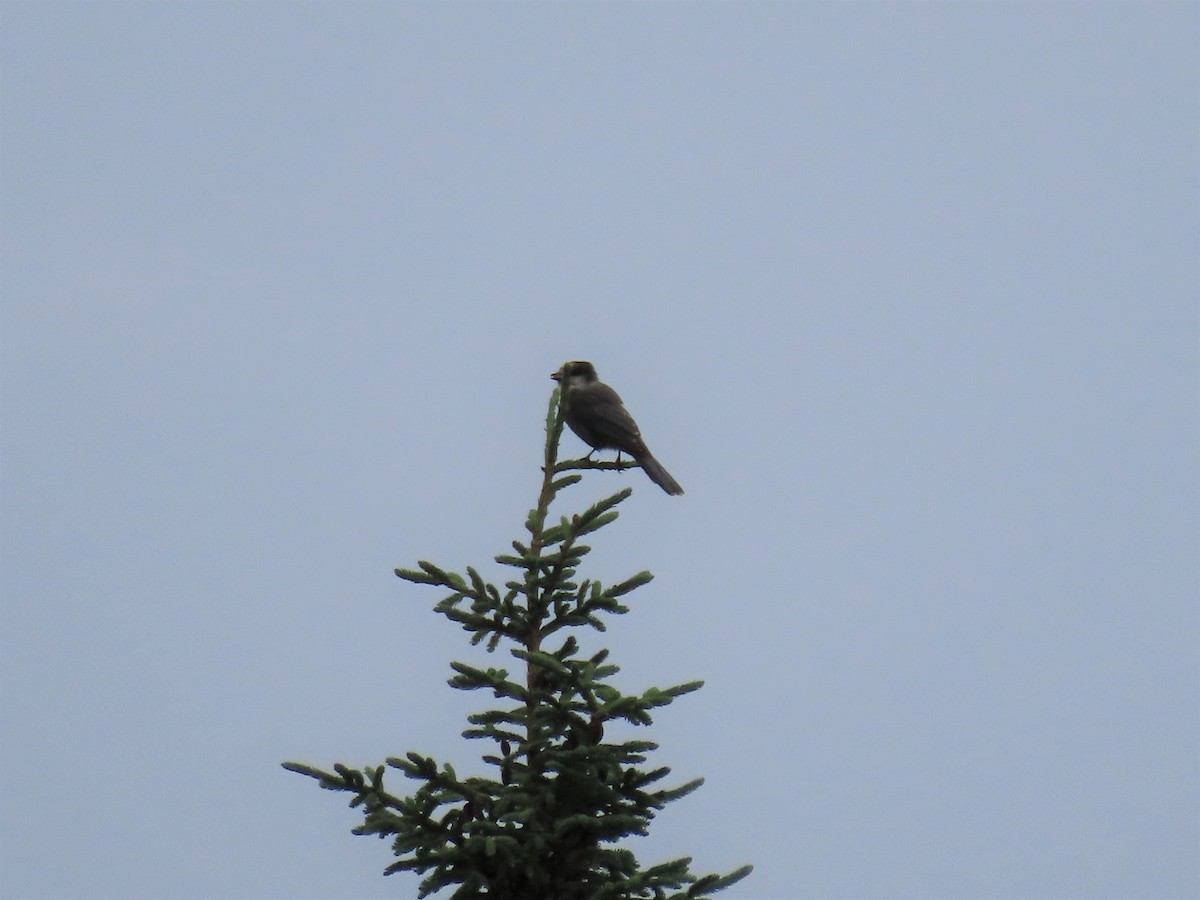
(597, 415)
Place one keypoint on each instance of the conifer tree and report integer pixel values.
(553, 822)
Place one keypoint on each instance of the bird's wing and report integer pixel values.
(605, 413)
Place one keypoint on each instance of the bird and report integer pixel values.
(596, 414)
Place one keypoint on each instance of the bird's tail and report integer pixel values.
(660, 476)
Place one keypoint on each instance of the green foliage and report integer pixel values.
(546, 827)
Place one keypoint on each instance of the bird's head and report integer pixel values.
(575, 373)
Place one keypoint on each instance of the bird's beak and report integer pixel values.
(556, 375)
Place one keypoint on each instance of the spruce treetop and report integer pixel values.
(554, 819)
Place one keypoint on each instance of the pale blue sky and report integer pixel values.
(905, 296)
